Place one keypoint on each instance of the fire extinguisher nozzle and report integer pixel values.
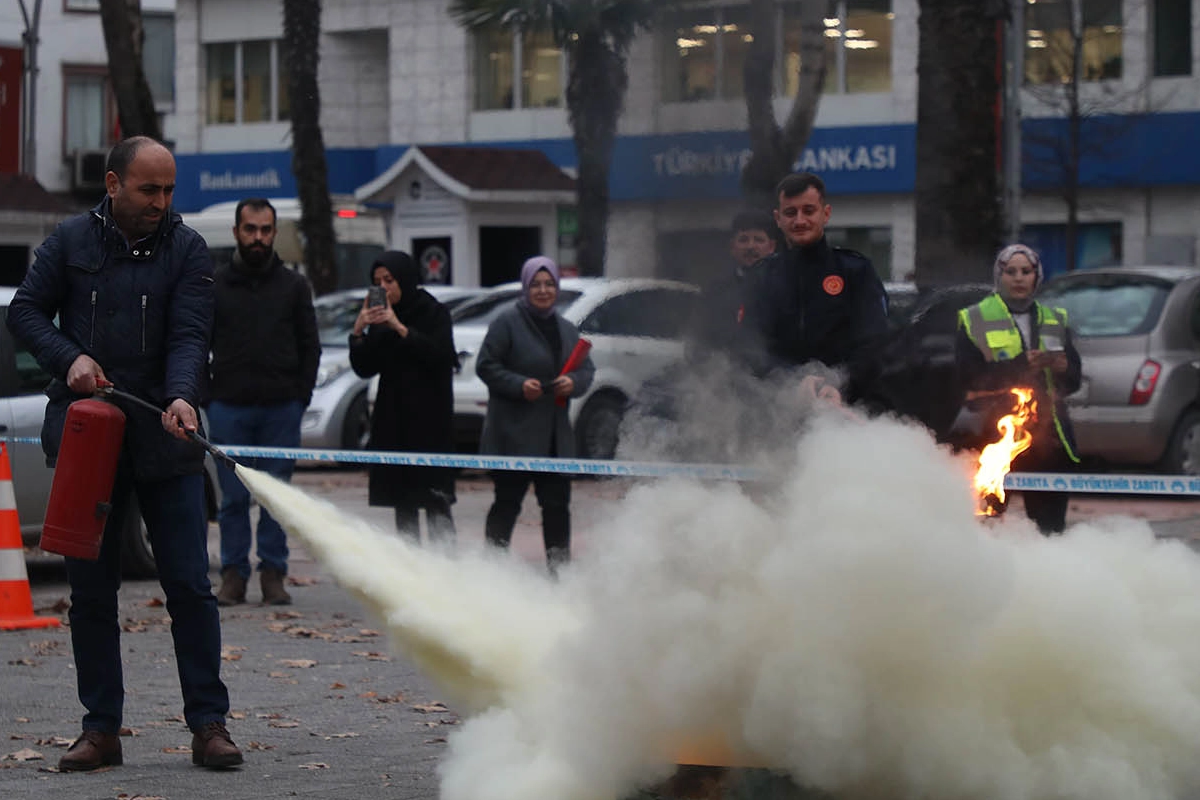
(216, 452)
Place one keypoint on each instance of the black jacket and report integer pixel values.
(415, 404)
(265, 348)
(816, 304)
(143, 313)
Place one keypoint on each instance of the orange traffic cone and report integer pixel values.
(16, 603)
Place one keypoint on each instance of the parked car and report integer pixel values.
(920, 375)
(339, 416)
(635, 326)
(22, 408)
(1137, 330)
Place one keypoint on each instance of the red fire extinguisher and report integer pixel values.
(81, 493)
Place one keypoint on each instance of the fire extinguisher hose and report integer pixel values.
(108, 390)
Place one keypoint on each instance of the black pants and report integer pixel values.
(437, 517)
(1048, 510)
(553, 495)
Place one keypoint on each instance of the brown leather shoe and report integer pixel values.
(233, 588)
(212, 747)
(272, 588)
(92, 750)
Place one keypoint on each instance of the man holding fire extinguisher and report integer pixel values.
(132, 288)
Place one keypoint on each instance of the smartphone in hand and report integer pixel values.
(376, 296)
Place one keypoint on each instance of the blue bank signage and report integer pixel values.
(867, 159)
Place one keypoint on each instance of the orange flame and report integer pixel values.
(996, 459)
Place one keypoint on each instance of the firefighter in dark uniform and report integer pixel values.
(813, 302)
(1009, 340)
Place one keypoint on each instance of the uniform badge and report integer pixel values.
(833, 285)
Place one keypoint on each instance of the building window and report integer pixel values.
(874, 243)
(704, 50)
(517, 71)
(246, 82)
(1050, 45)
(158, 57)
(89, 113)
(1172, 20)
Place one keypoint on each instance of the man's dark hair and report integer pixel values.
(124, 152)
(753, 221)
(798, 183)
(254, 204)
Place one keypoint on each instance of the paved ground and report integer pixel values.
(320, 706)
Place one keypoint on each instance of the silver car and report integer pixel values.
(1138, 333)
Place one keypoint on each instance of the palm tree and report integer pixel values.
(123, 39)
(774, 149)
(301, 45)
(595, 36)
(958, 209)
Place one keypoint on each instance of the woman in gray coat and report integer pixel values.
(521, 361)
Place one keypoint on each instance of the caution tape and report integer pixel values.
(1086, 483)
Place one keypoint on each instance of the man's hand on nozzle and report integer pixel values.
(814, 388)
(84, 375)
(179, 418)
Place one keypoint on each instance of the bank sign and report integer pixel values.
(855, 160)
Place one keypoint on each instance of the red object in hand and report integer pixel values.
(578, 354)
(81, 491)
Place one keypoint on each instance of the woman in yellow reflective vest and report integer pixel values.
(1009, 340)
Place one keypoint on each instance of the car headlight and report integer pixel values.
(328, 374)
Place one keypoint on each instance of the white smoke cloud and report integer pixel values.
(854, 624)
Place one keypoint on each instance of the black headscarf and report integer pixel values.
(405, 272)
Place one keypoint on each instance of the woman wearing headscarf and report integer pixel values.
(1009, 340)
(521, 361)
(409, 343)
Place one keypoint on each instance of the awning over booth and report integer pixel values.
(478, 174)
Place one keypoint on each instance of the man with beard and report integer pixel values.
(265, 353)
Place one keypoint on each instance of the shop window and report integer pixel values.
(89, 113)
(246, 82)
(1097, 244)
(1050, 45)
(704, 50)
(525, 71)
(1172, 20)
(158, 56)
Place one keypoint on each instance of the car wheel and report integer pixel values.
(356, 428)
(599, 426)
(1183, 454)
(137, 556)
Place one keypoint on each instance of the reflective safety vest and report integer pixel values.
(991, 327)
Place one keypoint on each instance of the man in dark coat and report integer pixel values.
(132, 289)
(813, 302)
(265, 354)
(409, 343)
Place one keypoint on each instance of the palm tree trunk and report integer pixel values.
(123, 38)
(595, 92)
(774, 149)
(301, 42)
(958, 211)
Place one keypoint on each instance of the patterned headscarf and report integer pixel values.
(531, 268)
(1005, 255)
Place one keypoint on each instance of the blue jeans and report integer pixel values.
(257, 426)
(174, 511)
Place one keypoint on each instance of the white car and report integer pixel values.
(636, 329)
(339, 416)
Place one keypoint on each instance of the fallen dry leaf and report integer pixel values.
(237, 714)
(303, 580)
(55, 741)
(314, 765)
(372, 655)
(337, 685)
(259, 746)
(395, 698)
(347, 735)
(297, 663)
(285, 615)
(283, 723)
(45, 647)
(23, 719)
(177, 750)
(436, 740)
(154, 602)
(24, 754)
(431, 708)
(22, 662)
